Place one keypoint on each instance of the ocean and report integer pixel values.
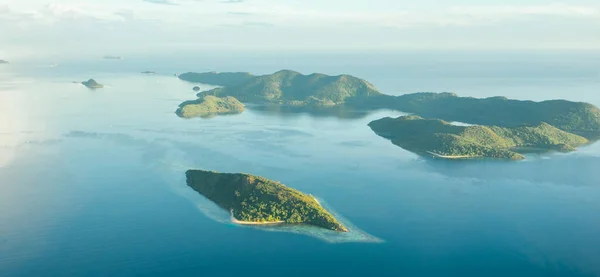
(92, 181)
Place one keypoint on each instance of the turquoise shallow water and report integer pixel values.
(92, 181)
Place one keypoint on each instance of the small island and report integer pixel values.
(257, 200)
(91, 83)
(3, 62)
(149, 72)
(440, 139)
(209, 106)
(196, 88)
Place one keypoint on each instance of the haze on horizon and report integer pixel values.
(37, 28)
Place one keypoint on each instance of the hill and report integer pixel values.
(216, 78)
(91, 83)
(442, 139)
(256, 199)
(288, 87)
(209, 106)
(574, 117)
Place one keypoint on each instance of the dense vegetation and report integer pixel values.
(573, 117)
(216, 78)
(209, 106)
(288, 87)
(316, 92)
(91, 83)
(437, 137)
(256, 199)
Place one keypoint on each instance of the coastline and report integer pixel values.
(450, 157)
(235, 221)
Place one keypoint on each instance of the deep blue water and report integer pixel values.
(92, 181)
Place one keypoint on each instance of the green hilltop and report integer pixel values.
(256, 199)
(433, 137)
(217, 78)
(288, 87)
(574, 117)
(209, 106)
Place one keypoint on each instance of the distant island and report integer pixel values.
(209, 106)
(149, 72)
(217, 78)
(440, 139)
(3, 62)
(112, 58)
(257, 200)
(91, 83)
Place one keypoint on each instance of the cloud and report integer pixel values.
(232, 1)
(162, 2)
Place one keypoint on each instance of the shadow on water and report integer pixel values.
(572, 170)
(341, 112)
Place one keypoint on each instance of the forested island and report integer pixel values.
(574, 117)
(291, 88)
(287, 87)
(437, 138)
(254, 199)
(217, 78)
(509, 127)
(91, 83)
(209, 106)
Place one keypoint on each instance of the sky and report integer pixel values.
(30, 28)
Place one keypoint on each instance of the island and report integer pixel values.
(3, 62)
(257, 200)
(216, 78)
(209, 106)
(318, 93)
(196, 88)
(440, 139)
(287, 87)
(91, 83)
(149, 72)
(574, 117)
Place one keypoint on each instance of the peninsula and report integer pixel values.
(257, 200)
(433, 137)
(209, 106)
(91, 83)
